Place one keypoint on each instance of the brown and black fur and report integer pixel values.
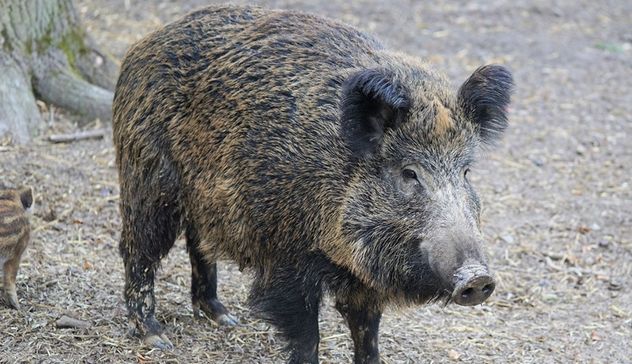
(14, 236)
(255, 132)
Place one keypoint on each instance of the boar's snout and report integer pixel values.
(473, 285)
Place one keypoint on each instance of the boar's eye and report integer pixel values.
(409, 174)
(466, 172)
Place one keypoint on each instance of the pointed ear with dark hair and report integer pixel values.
(372, 103)
(485, 97)
(26, 197)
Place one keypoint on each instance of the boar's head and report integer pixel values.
(411, 217)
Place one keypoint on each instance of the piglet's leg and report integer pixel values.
(10, 274)
(10, 269)
(364, 323)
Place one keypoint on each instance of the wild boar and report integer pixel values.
(309, 154)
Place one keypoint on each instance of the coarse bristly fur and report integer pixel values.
(307, 153)
(14, 236)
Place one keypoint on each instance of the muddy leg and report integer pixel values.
(10, 274)
(204, 285)
(364, 323)
(140, 300)
(151, 221)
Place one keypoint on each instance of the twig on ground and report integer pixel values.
(73, 137)
(66, 322)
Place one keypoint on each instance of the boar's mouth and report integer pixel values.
(426, 285)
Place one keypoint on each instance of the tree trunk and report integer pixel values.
(45, 53)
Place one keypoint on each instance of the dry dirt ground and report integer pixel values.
(557, 197)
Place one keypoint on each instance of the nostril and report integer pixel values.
(467, 292)
(473, 285)
(488, 289)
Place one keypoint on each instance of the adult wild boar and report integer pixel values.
(304, 150)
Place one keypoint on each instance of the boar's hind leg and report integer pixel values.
(151, 222)
(364, 323)
(204, 284)
(291, 303)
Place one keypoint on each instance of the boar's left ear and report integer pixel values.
(485, 97)
(372, 103)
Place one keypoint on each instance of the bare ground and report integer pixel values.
(557, 197)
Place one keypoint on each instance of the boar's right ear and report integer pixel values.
(26, 197)
(485, 97)
(372, 102)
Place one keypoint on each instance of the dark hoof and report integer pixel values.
(227, 320)
(161, 342)
(216, 311)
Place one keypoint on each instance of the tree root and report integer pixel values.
(45, 52)
(19, 114)
(55, 83)
(97, 67)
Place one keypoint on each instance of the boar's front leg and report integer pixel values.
(364, 323)
(291, 303)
